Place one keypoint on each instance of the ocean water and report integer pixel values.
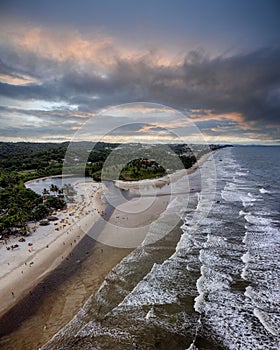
(213, 282)
(239, 286)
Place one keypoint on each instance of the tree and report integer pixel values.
(54, 188)
(45, 192)
(60, 191)
(40, 212)
(54, 203)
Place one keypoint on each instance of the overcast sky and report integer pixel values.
(64, 63)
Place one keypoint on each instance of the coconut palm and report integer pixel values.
(54, 188)
(45, 192)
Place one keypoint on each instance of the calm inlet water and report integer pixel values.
(39, 185)
(220, 289)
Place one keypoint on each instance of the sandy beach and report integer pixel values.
(130, 221)
(24, 267)
(65, 299)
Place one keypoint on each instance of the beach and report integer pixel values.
(90, 261)
(162, 181)
(26, 272)
(24, 267)
(217, 289)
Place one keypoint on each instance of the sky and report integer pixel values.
(157, 67)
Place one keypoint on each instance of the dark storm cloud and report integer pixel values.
(32, 91)
(246, 83)
(4, 68)
(216, 61)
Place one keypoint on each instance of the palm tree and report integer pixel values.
(45, 192)
(60, 191)
(54, 188)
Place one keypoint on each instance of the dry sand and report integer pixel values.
(64, 300)
(58, 306)
(24, 267)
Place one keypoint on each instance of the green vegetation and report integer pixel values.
(138, 161)
(31, 160)
(18, 205)
(26, 161)
(139, 169)
(20, 162)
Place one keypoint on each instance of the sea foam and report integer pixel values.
(263, 190)
(271, 322)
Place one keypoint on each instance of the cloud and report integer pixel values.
(58, 45)
(93, 72)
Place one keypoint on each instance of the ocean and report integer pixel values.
(212, 282)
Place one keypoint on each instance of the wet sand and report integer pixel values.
(56, 299)
(52, 304)
(24, 267)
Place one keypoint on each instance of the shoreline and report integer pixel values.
(100, 258)
(162, 181)
(59, 296)
(112, 256)
(31, 269)
(37, 257)
(47, 177)
(68, 336)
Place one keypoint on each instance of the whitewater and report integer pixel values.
(212, 282)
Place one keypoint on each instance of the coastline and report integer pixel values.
(112, 291)
(29, 264)
(59, 296)
(89, 261)
(106, 261)
(28, 270)
(162, 181)
(47, 177)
